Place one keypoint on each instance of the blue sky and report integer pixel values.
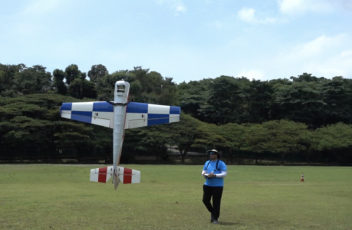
(185, 40)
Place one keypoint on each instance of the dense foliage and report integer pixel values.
(314, 101)
(304, 118)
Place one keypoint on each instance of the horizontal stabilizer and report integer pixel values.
(126, 175)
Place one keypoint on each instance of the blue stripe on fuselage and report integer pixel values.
(136, 107)
(82, 116)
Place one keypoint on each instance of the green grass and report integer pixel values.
(169, 197)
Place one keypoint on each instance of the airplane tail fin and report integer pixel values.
(125, 175)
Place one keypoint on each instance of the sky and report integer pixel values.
(184, 40)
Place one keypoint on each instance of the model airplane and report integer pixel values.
(119, 115)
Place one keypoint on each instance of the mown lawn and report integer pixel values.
(169, 197)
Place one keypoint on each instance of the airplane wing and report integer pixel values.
(137, 114)
(97, 112)
(142, 114)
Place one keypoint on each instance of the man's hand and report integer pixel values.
(211, 175)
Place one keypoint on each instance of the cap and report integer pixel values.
(213, 151)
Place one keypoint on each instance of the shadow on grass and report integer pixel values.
(228, 223)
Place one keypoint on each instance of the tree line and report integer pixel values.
(301, 119)
(314, 101)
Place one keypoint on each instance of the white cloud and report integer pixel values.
(248, 15)
(346, 54)
(251, 74)
(326, 56)
(289, 6)
(41, 6)
(180, 8)
(292, 7)
(176, 5)
(335, 65)
(31, 21)
(301, 6)
(318, 46)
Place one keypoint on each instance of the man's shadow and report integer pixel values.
(228, 223)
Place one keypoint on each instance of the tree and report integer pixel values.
(81, 88)
(305, 77)
(260, 101)
(193, 97)
(286, 139)
(227, 100)
(72, 72)
(150, 141)
(7, 74)
(105, 85)
(234, 136)
(299, 101)
(337, 94)
(32, 80)
(332, 143)
(96, 72)
(59, 84)
(73, 140)
(145, 86)
(183, 134)
(31, 128)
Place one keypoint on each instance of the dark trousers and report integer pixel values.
(215, 193)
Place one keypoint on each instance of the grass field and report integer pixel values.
(169, 197)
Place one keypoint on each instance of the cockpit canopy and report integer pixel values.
(120, 88)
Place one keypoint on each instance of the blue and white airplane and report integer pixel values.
(119, 115)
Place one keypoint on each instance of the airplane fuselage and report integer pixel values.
(120, 100)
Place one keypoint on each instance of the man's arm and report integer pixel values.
(204, 173)
(223, 169)
(221, 175)
(212, 175)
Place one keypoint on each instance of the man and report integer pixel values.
(214, 171)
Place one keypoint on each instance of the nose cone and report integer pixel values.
(122, 89)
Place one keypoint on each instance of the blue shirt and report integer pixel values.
(210, 167)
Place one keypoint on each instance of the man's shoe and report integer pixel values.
(212, 218)
(215, 221)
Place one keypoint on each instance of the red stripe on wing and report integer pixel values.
(102, 175)
(127, 176)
